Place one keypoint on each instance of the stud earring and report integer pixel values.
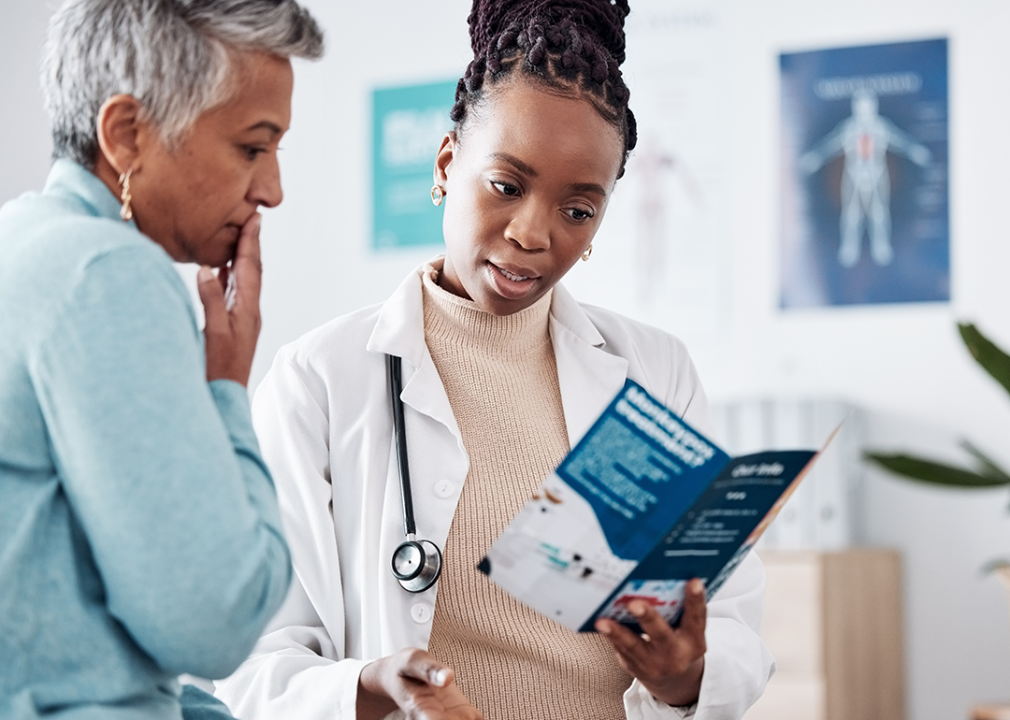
(126, 212)
(437, 193)
(587, 253)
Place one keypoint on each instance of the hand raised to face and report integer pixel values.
(668, 661)
(231, 332)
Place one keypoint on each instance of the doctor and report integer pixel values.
(502, 372)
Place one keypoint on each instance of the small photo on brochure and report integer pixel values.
(666, 596)
(864, 175)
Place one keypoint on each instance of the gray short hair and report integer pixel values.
(174, 56)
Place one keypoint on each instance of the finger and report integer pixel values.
(212, 297)
(423, 667)
(622, 639)
(223, 273)
(692, 622)
(247, 266)
(625, 644)
(652, 623)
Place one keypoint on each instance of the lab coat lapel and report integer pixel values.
(589, 376)
(399, 331)
(424, 392)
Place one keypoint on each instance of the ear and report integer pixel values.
(446, 152)
(119, 126)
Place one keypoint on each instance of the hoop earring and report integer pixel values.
(437, 193)
(126, 212)
(587, 253)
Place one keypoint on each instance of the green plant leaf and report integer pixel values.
(989, 468)
(992, 566)
(934, 473)
(989, 356)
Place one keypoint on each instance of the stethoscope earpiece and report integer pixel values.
(416, 563)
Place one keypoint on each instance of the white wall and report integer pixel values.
(25, 146)
(906, 360)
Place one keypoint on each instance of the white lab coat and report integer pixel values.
(325, 425)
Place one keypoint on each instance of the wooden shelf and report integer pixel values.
(833, 621)
(991, 712)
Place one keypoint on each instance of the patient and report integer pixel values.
(139, 531)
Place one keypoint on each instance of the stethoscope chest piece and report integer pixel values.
(417, 565)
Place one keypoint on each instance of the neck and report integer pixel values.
(104, 171)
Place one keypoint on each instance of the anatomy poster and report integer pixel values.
(865, 215)
(662, 252)
(407, 126)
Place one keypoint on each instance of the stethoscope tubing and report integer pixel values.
(400, 435)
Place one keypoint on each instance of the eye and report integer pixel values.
(579, 214)
(252, 151)
(506, 188)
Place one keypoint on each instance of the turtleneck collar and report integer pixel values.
(458, 319)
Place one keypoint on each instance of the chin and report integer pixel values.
(217, 256)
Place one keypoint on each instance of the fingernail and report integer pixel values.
(439, 677)
(603, 628)
(637, 609)
(204, 274)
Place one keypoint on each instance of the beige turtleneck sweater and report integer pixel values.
(501, 378)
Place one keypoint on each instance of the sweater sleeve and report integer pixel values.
(162, 470)
(299, 668)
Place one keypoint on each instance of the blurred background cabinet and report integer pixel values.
(833, 621)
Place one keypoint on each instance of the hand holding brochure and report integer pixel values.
(641, 505)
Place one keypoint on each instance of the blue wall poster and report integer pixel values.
(865, 216)
(407, 126)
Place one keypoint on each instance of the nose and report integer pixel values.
(266, 184)
(530, 227)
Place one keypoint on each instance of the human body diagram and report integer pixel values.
(864, 139)
(653, 164)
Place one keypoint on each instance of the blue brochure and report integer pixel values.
(642, 504)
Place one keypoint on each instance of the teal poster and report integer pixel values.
(407, 127)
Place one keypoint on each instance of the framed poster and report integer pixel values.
(407, 126)
(865, 216)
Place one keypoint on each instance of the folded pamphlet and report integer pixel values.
(641, 505)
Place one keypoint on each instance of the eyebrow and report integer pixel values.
(588, 187)
(515, 162)
(275, 129)
(530, 172)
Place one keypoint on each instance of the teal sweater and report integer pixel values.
(139, 531)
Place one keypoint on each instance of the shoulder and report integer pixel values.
(54, 234)
(124, 270)
(332, 354)
(655, 357)
(657, 360)
(626, 334)
(339, 342)
(60, 263)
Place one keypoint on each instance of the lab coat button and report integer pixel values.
(421, 613)
(445, 488)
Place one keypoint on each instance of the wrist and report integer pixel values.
(373, 701)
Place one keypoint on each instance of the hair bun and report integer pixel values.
(603, 20)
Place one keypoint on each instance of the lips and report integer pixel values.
(515, 272)
(511, 281)
(511, 276)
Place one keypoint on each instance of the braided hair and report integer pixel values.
(569, 46)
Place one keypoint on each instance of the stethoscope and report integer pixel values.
(416, 563)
